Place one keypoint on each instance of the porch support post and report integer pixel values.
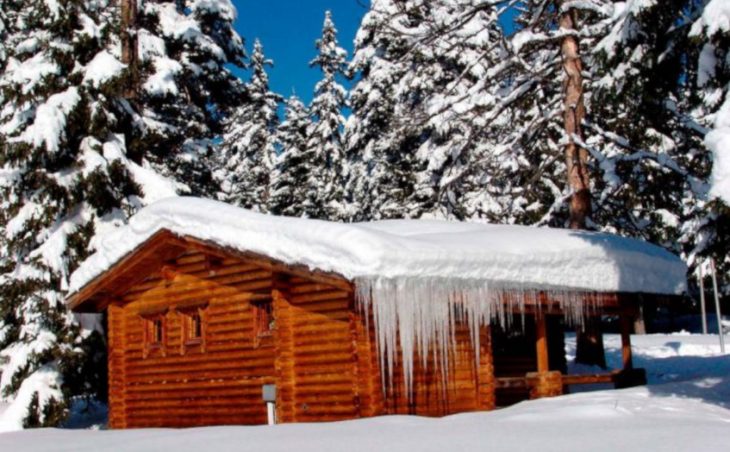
(543, 383)
(626, 354)
(543, 362)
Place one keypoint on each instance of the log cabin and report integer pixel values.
(215, 315)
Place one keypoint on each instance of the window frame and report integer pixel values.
(151, 320)
(264, 321)
(187, 314)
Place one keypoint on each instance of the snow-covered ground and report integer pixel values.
(685, 407)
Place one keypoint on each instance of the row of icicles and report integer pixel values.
(420, 315)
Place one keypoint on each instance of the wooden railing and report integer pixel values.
(587, 379)
(524, 382)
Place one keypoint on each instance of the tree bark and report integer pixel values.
(576, 157)
(589, 344)
(639, 321)
(130, 55)
(589, 347)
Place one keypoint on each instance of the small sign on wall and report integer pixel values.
(269, 393)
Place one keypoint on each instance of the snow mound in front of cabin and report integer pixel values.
(628, 420)
(690, 413)
(503, 256)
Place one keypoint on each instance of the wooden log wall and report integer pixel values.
(216, 382)
(316, 356)
(468, 387)
(328, 366)
(321, 354)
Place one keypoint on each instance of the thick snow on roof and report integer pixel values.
(501, 256)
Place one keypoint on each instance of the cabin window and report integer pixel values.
(157, 331)
(192, 326)
(192, 321)
(154, 333)
(195, 327)
(263, 316)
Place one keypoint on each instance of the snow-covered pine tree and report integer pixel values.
(248, 150)
(377, 63)
(63, 176)
(324, 153)
(291, 171)
(546, 95)
(542, 104)
(185, 88)
(712, 30)
(461, 41)
(413, 155)
(711, 231)
(79, 153)
(648, 149)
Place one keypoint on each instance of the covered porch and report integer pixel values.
(543, 372)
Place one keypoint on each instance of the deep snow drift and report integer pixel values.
(682, 415)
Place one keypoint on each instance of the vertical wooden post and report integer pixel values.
(626, 354)
(543, 363)
(116, 343)
(544, 382)
(629, 376)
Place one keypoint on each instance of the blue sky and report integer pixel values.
(288, 29)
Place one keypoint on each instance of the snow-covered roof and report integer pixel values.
(500, 256)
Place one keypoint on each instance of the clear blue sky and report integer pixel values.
(288, 30)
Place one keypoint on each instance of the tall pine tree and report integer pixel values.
(711, 35)
(416, 148)
(381, 179)
(64, 175)
(325, 153)
(292, 169)
(83, 140)
(248, 149)
(712, 32)
(185, 89)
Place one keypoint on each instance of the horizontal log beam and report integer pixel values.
(573, 379)
(589, 379)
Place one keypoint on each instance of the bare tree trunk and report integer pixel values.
(130, 55)
(576, 157)
(639, 322)
(589, 344)
(589, 339)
